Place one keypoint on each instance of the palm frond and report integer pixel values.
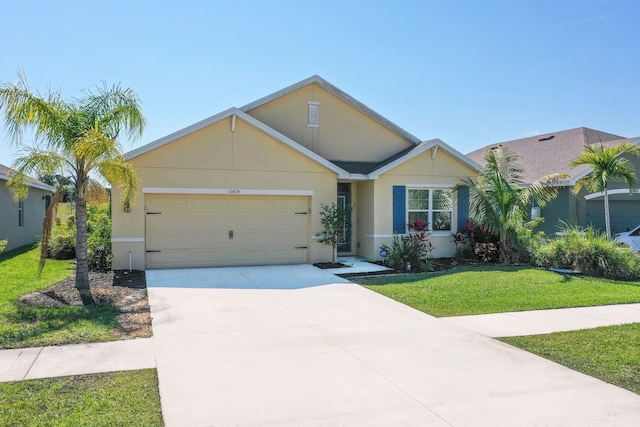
(95, 193)
(608, 164)
(504, 162)
(117, 109)
(25, 109)
(94, 146)
(122, 174)
(34, 162)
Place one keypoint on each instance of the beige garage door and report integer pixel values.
(211, 231)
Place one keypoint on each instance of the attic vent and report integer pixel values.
(314, 114)
(546, 138)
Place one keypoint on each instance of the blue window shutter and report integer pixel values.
(399, 209)
(463, 207)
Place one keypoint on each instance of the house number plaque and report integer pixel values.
(233, 191)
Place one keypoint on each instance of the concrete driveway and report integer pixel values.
(297, 346)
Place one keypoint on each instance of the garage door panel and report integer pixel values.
(624, 214)
(194, 230)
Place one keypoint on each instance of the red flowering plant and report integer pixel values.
(419, 231)
(478, 242)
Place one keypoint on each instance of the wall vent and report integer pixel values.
(314, 114)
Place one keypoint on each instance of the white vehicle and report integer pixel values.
(630, 238)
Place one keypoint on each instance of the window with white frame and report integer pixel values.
(431, 205)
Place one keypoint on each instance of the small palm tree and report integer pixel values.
(73, 139)
(608, 165)
(499, 198)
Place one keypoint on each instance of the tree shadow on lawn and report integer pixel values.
(17, 251)
(28, 324)
(419, 277)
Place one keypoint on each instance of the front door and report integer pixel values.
(344, 201)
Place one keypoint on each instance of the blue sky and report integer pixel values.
(471, 73)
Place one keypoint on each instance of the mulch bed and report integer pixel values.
(326, 265)
(123, 289)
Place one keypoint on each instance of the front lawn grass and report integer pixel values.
(25, 326)
(610, 353)
(128, 398)
(496, 289)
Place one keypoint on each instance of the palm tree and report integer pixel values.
(499, 198)
(608, 165)
(74, 139)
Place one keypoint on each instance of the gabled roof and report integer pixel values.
(551, 153)
(341, 95)
(7, 173)
(434, 144)
(249, 120)
(344, 170)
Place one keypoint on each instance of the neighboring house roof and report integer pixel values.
(344, 169)
(552, 152)
(7, 173)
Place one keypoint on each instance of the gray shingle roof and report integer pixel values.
(368, 167)
(6, 173)
(551, 153)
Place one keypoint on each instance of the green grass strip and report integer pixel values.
(128, 398)
(495, 289)
(610, 353)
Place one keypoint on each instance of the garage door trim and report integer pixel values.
(226, 191)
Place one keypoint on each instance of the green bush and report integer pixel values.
(99, 237)
(406, 254)
(3, 245)
(62, 244)
(590, 253)
(524, 243)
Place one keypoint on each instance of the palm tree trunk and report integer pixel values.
(607, 220)
(504, 259)
(82, 266)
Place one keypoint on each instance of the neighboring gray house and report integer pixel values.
(551, 153)
(21, 221)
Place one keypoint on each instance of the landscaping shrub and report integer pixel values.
(476, 243)
(63, 239)
(590, 253)
(62, 244)
(3, 245)
(410, 252)
(524, 243)
(99, 237)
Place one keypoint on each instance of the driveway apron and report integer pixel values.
(298, 346)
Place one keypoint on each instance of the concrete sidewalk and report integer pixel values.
(547, 321)
(76, 359)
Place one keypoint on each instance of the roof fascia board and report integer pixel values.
(427, 146)
(248, 119)
(179, 134)
(341, 95)
(39, 186)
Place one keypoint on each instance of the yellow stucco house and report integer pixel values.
(245, 187)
